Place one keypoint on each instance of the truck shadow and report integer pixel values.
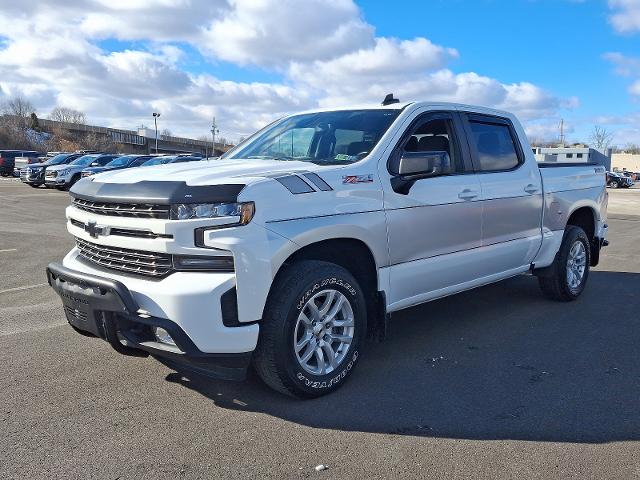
(500, 362)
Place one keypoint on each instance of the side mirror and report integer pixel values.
(424, 164)
(414, 166)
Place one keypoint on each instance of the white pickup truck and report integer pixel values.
(291, 249)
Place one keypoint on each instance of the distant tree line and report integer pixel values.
(20, 129)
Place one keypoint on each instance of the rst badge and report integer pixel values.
(350, 179)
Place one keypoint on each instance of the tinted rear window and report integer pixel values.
(495, 146)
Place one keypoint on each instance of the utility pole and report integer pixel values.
(214, 130)
(562, 132)
(155, 122)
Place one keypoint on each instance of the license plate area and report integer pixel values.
(79, 312)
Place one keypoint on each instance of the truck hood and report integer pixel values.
(209, 172)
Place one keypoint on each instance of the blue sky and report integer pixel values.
(556, 44)
(247, 62)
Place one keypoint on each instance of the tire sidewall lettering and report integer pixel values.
(333, 381)
(327, 282)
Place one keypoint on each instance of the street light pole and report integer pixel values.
(155, 122)
(214, 130)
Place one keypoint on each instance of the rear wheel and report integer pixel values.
(566, 278)
(312, 331)
(612, 184)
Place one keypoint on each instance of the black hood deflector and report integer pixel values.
(156, 192)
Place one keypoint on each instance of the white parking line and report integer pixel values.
(8, 250)
(26, 287)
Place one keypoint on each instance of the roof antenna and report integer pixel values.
(388, 100)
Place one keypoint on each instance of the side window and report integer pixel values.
(139, 161)
(495, 146)
(436, 135)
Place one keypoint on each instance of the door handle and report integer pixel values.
(531, 188)
(468, 194)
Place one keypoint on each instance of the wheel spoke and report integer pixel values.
(341, 338)
(347, 322)
(331, 355)
(320, 360)
(313, 309)
(311, 348)
(335, 309)
(304, 319)
(328, 301)
(302, 343)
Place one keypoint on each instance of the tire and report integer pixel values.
(612, 185)
(34, 185)
(292, 295)
(557, 283)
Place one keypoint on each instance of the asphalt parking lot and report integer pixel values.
(496, 383)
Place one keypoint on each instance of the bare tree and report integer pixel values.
(68, 115)
(166, 133)
(631, 148)
(601, 138)
(15, 123)
(18, 107)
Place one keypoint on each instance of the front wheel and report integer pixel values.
(313, 330)
(567, 276)
(612, 184)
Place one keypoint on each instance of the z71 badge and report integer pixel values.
(357, 179)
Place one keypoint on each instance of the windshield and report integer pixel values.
(157, 161)
(338, 137)
(84, 160)
(119, 162)
(57, 159)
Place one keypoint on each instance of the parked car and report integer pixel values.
(64, 176)
(125, 161)
(33, 174)
(164, 159)
(628, 175)
(8, 159)
(291, 249)
(615, 180)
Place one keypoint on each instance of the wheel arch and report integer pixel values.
(586, 217)
(357, 257)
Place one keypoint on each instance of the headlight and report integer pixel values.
(236, 213)
(62, 172)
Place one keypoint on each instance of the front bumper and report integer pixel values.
(29, 177)
(106, 308)
(56, 181)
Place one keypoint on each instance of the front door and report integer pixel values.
(435, 223)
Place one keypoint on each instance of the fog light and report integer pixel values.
(163, 336)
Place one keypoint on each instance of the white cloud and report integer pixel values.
(272, 33)
(626, 15)
(325, 53)
(626, 67)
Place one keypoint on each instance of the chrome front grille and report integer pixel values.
(137, 210)
(150, 264)
(125, 232)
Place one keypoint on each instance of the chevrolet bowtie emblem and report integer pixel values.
(94, 230)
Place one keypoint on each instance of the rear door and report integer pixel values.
(512, 195)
